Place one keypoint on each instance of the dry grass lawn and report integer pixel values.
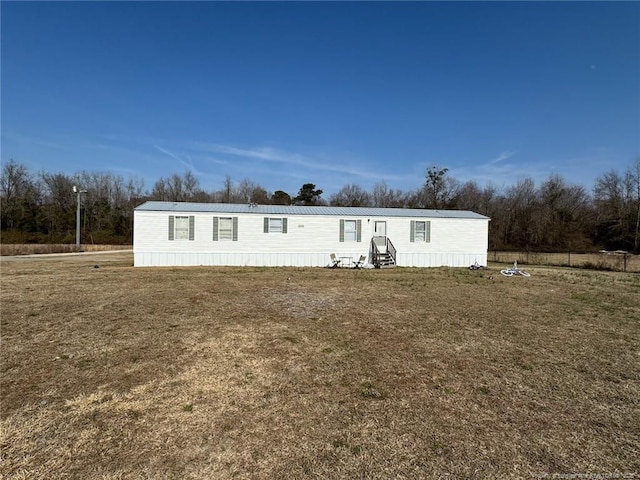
(192, 373)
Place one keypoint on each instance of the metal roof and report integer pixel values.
(232, 208)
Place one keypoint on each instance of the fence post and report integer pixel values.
(624, 263)
(569, 261)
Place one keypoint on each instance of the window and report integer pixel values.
(350, 233)
(225, 229)
(420, 231)
(275, 225)
(181, 227)
(350, 230)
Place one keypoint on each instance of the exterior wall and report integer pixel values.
(454, 243)
(309, 241)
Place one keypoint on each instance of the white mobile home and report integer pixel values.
(176, 233)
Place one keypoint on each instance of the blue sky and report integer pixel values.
(286, 93)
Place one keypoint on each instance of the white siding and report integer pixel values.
(308, 242)
(453, 242)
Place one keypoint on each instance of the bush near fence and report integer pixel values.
(614, 261)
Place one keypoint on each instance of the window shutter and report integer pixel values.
(412, 235)
(427, 231)
(284, 225)
(192, 227)
(235, 229)
(266, 224)
(215, 229)
(171, 227)
(358, 230)
(342, 230)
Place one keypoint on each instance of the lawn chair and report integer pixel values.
(335, 261)
(358, 265)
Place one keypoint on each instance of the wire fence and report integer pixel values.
(603, 260)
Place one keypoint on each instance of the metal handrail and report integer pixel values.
(392, 250)
(375, 253)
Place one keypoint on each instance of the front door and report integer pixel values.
(380, 236)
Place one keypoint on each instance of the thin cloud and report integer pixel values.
(189, 165)
(40, 142)
(317, 163)
(166, 152)
(499, 172)
(215, 160)
(264, 153)
(502, 157)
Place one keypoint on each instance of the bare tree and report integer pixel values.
(228, 189)
(18, 195)
(250, 192)
(611, 198)
(178, 188)
(351, 196)
(633, 180)
(562, 219)
(470, 197)
(439, 190)
(520, 205)
(191, 186)
(58, 211)
(160, 190)
(385, 197)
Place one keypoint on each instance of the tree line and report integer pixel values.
(553, 215)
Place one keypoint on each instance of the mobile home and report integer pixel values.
(193, 234)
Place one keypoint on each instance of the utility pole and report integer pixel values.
(78, 192)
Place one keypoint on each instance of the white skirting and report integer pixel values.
(288, 259)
